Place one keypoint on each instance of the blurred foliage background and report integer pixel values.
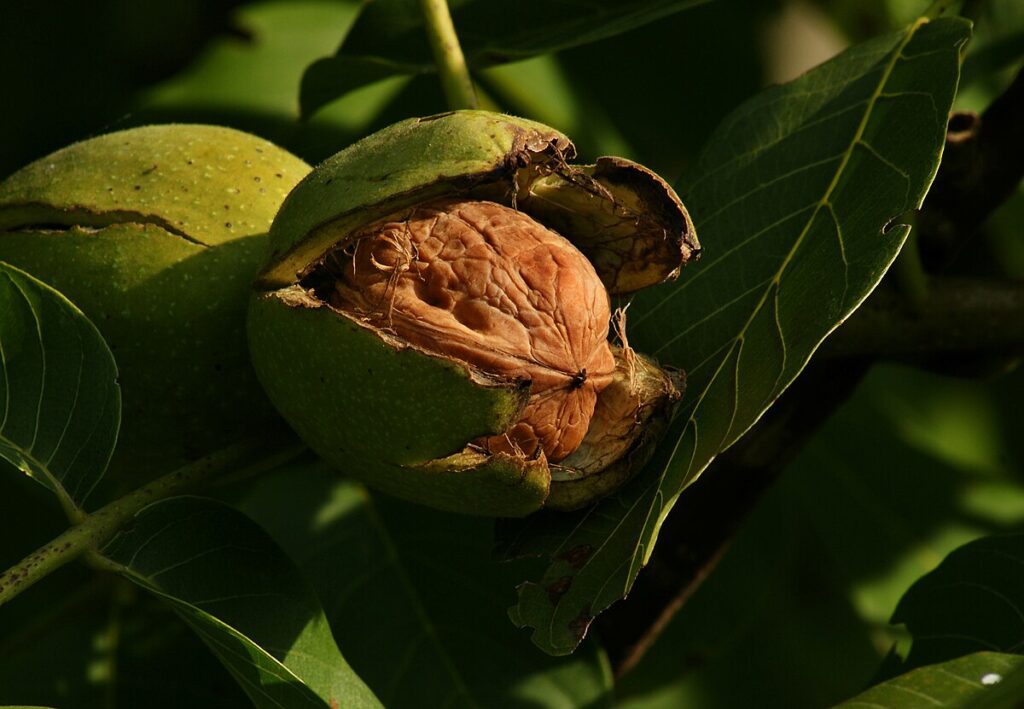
(915, 464)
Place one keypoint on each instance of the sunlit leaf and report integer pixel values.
(257, 74)
(797, 200)
(60, 406)
(244, 598)
(251, 82)
(958, 684)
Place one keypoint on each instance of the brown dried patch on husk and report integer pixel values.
(487, 285)
(626, 219)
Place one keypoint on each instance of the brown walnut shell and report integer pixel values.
(490, 286)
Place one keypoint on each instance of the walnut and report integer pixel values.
(488, 285)
(422, 324)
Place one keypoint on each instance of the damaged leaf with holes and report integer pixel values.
(156, 233)
(436, 316)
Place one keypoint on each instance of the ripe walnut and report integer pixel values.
(424, 327)
(490, 286)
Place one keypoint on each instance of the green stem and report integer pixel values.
(98, 528)
(451, 64)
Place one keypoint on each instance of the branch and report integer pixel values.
(451, 64)
(98, 528)
(959, 316)
(707, 517)
(956, 317)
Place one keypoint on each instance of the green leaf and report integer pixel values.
(389, 38)
(911, 467)
(258, 76)
(994, 57)
(60, 406)
(415, 598)
(51, 640)
(973, 601)
(251, 84)
(244, 598)
(540, 88)
(964, 683)
(93, 641)
(914, 466)
(794, 200)
(771, 627)
(162, 664)
(998, 41)
(1004, 693)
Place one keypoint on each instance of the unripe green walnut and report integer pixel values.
(434, 318)
(156, 234)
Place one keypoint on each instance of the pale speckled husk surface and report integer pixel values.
(156, 234)
(390, 415)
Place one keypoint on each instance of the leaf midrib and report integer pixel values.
(58, 488)
(180, 603)
(772, 284)
(67, 501)
(823, 203)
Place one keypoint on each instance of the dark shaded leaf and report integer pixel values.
(913, 466)
(60, 406)
(91, 57)
(772, 626)
(162, 664)
(973, 601)
(389, 38)
(994, 57)
(244, 598)
(795, 200)
(55, 644)
(416, 600)
(998, 43)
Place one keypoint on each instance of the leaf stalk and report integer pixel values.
(96, 529)
(451, 63)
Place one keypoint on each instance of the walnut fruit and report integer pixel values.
(435, 316)
(156, 233)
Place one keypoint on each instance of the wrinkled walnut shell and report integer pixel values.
(490, 286)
